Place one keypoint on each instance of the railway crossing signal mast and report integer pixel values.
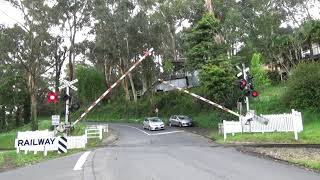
(67, 97)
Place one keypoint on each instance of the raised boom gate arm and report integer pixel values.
(249, 115)
(146, 54)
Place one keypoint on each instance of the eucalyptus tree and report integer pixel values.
(27, 45)
(71, 17)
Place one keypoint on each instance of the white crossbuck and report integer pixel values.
(69, 84)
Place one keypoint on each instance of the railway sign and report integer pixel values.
(55, 120)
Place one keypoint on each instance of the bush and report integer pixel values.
(304, 86)
(260, 75)
(274, 77)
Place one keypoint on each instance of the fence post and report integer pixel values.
(295, 125)
(45, 152)
(224, 131)
(100, 132)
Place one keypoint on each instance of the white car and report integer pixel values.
(180, 120)
(153, 123)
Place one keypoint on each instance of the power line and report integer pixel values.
(12, 18)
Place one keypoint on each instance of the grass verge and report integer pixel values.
(308, 164)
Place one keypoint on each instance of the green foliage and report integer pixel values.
(274, 77)
(200, 44)
(91, 84)
(168, 66)
(303, 86)
(218, 82)
(260, 75)
(268, 99)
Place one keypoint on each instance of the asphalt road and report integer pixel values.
(171, 154)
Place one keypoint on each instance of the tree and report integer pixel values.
(27, 44)
(72, 17)
(14, 95)
(259, 74)
(91, 84)
(218, 80)
(200, 44)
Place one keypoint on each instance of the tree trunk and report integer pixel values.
(33, 96)
(144, 83)
(171, 29)
(27, 111)
(133, 88)
(17, 117)
(125, 85)
(2, 118)
(209, 6)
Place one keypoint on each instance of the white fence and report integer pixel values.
(96, 131)
(77, 142)
(277, 123)
(44, 141)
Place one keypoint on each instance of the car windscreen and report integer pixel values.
(183, 117)
(155, 120)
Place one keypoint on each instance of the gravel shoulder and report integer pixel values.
(308, 158)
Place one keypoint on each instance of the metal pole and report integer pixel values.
(67, 104)
(246, 78)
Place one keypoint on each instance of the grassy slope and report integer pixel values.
(269, 102)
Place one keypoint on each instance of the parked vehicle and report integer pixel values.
(180, 120)
(153, 123)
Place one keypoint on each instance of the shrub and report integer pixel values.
(274, 77)
(260, 75)
(304, 86)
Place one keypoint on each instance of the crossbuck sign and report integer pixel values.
(68, 85)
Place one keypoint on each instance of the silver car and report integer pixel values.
(180, 120)
(153, 123)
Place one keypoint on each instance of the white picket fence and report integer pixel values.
(96, 131)
(77, 142)
(277, 123)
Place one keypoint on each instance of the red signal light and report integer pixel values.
(52, 97)
(255, 94)
(243, 82)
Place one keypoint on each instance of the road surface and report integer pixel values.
(163, 155)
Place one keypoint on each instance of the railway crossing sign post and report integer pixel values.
(243, 72)
(68, 85)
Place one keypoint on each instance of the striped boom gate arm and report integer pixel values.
(146, 54)
(247, 117)
(201, 98)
